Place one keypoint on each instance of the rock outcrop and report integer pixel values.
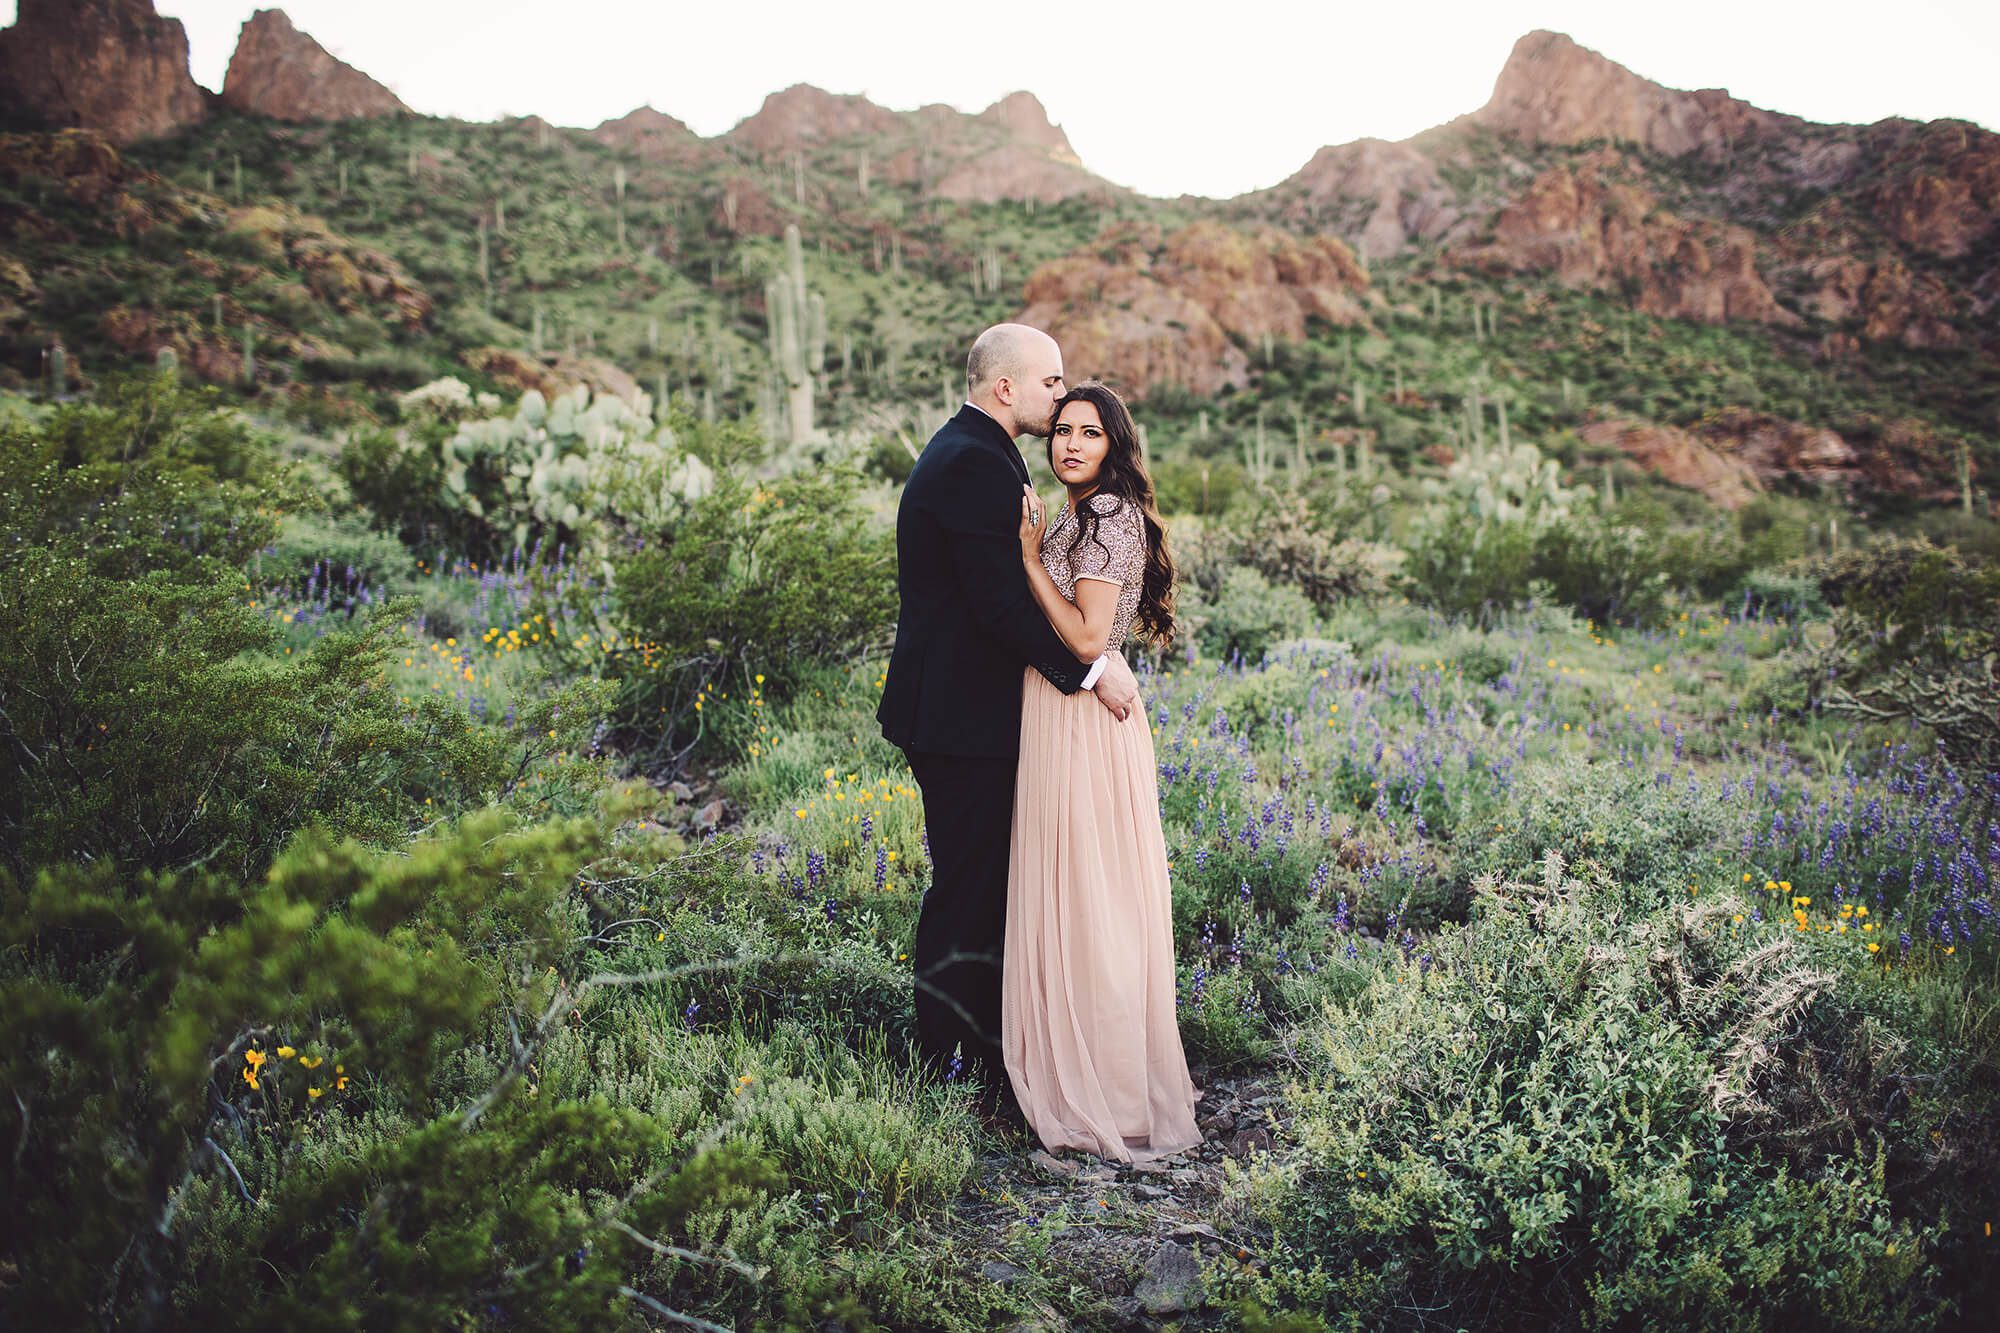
(1384, 195)
(1678, 457)
(1881, 296)
(125, 200)
(1553, 91)
(114, 66)
(552, 374)
(1018, 171)
(344, 275)
(1734, 454)
(1008, 151)
(1144, 309)
(1939, 193)
(1590, 225)
(280, 72)
(1033, 161)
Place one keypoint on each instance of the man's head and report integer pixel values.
(1015, 373)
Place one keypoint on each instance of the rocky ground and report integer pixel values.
(1123, 1247)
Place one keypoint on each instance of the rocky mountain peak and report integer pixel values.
(280, 72)
(111, 65)
(1552, 90)
(653, 135)
(1025, 119)
(803, 114)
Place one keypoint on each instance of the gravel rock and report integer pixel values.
(1254, 1139)
(997, 1270)
(1173, 1281)
(1054, 1165)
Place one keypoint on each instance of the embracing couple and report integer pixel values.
(1044, 958)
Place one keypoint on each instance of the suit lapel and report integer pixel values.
(990, 432)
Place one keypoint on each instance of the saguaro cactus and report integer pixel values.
(618, 185)
(485, 267)
(796, 320)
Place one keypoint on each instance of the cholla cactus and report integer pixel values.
(588, 466)
(448, 399)
(1507, 485)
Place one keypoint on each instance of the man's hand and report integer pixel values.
(1117, 689)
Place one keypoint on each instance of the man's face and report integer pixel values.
(1041, 383)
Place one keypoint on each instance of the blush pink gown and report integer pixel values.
(1087, 1023)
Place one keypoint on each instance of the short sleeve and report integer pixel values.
(1118, 555)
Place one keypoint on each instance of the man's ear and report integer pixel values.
(1003, 390)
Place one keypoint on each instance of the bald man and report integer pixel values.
(967, 628)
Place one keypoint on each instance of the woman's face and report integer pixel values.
(1077, 445)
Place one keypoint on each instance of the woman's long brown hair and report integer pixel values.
(1123, 474)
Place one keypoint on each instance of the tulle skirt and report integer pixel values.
(1087, 1022)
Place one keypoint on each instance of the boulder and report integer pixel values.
(1173, 1282)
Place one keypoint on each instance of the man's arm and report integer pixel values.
(978, 504)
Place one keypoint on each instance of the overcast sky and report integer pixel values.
(1213, 100)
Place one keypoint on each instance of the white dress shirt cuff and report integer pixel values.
(1096, 670)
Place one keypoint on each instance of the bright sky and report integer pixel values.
(1167, 99)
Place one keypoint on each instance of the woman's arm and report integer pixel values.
(1084, 626)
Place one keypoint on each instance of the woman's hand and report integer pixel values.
(1033, 516)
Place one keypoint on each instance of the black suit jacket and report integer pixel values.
(968, 622)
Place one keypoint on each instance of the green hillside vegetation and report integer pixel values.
(511, 232)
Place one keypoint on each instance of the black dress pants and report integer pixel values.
(962, 925)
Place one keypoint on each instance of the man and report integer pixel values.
(967, 626)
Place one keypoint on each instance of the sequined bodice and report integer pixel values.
(1117, 554)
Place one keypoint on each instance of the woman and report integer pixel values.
(1087, 1023)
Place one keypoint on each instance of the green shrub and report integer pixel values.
(1577, 1111)
(1793, 594)
(1465, 568)
(1612, 573)
(151, 716)
(1247, 614)
(142, 1012)
(335, 543)
(754, 586)
(1650, 835)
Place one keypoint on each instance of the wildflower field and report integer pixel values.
(398, 936)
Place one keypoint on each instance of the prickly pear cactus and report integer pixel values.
(587, 467)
